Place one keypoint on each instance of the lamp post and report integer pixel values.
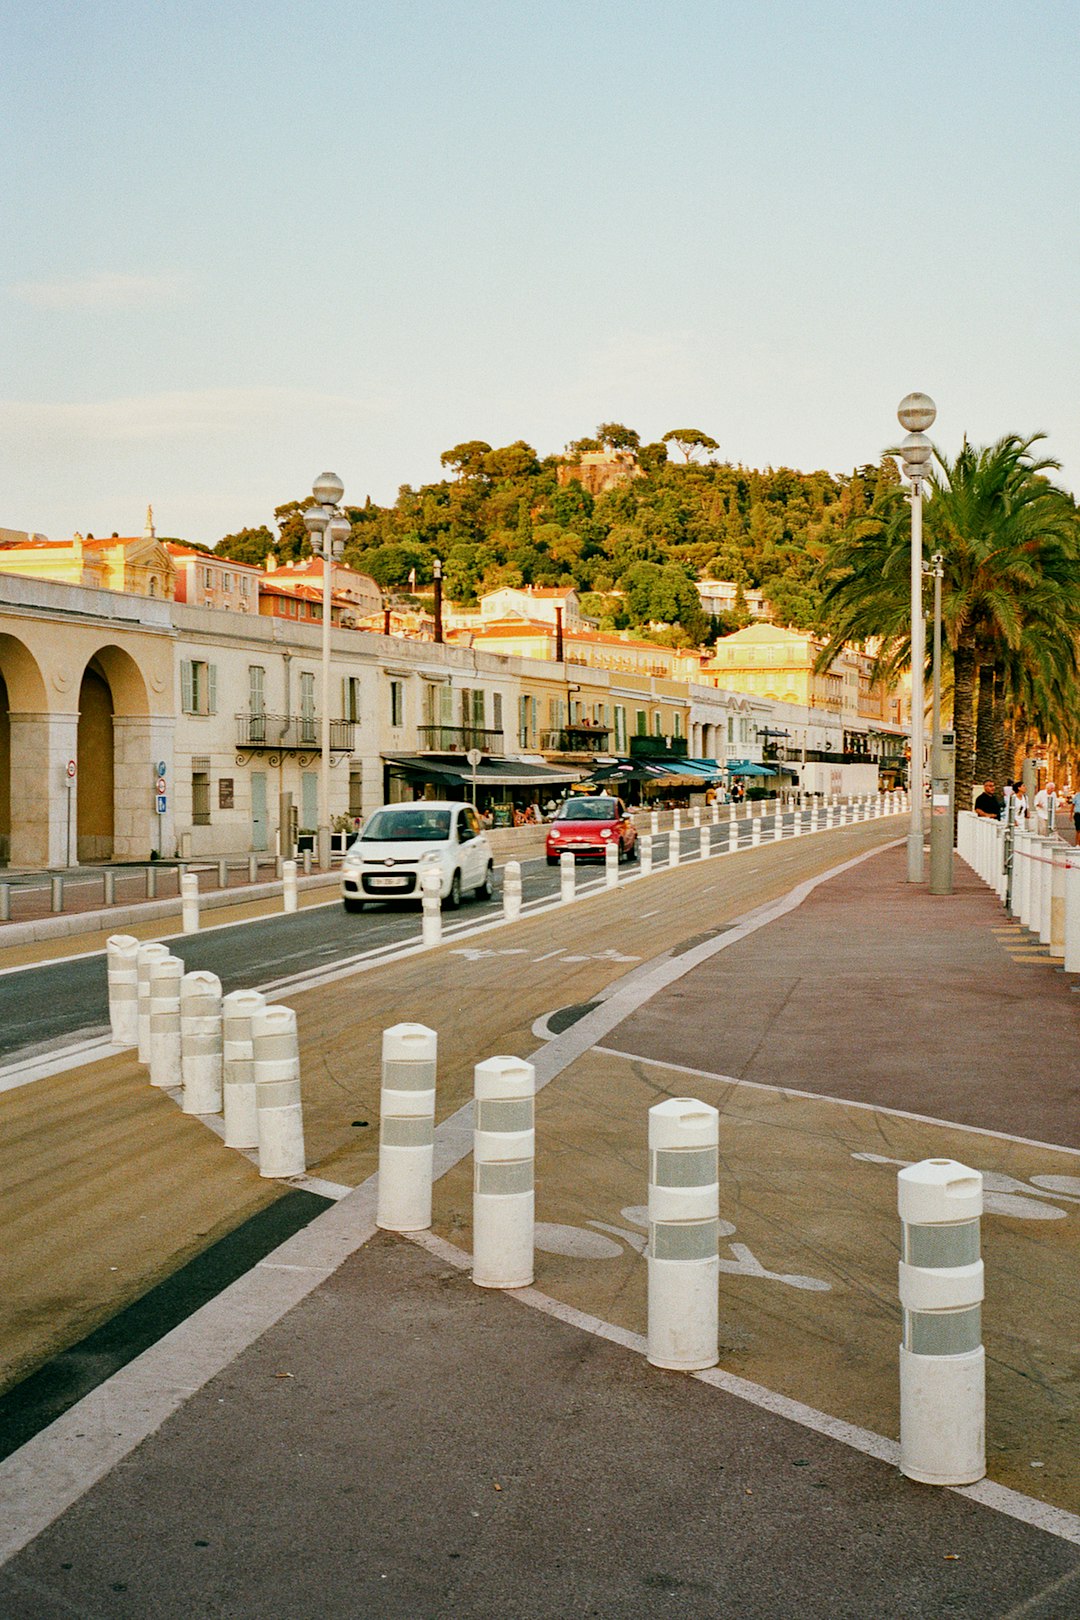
(436, 575)
(329, 529)
(941, 758)
(916, 412)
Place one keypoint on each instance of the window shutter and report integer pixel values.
(346, 710)
(211, 689)
(187, 693)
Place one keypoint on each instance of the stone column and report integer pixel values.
(140, 742)
(41, 746)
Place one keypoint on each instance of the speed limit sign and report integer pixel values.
(161, 784)
(71, 767)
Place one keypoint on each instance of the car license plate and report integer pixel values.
(388, 882)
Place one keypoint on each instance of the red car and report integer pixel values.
(586, 827)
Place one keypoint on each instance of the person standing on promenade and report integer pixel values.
(988, 805)
(1045, 809)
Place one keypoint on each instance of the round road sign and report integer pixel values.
(71, 767)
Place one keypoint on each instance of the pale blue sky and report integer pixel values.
(243, 242)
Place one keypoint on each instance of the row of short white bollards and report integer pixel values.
(234, 1055)
(189, 893)
(942, 1362)
(1038, 877)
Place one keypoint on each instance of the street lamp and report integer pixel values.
(941, 759)
(916, 412)
(329, 529)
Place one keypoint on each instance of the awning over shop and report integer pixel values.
(701, 770)
(746, 767)
(455, 771)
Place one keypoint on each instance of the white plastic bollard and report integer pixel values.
(165, 975)
(645, 854)
(695, 816)
(504, 1146)
(238, 1009)
(1071, 942)
(684, 1209)
(796, 825)
(733, 836)
(611, 864)
(201, 1042)
(654, 822)
(942, 1361)
(148, 955)
(674, 842)
(829, 814)
(814, 817)
(778, 824)
(1021, 876)
(278, 1108)
(1060, 856)
(676, 821)
(715, 813)
(189, 903)
(567, 876)
(431, 905)
(512, 891)
(704, 843)
(755, 831)
(407, 1128)
(1044, 883)
(122, 957)
(289, 898)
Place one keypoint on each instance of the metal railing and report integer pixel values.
(458, 739)
(582, 739)
(287, 733)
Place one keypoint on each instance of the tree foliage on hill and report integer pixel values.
(501, 517)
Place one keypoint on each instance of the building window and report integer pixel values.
(676, 724)
(356, 794)
(657, 724)
(307, 706)
(642, 723)
(397, 703)
(350, 698)
(496, 711)
(198, 686)
(620, 729)
(523, 722)
(200, 798)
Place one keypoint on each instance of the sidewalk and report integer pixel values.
(393, 1441)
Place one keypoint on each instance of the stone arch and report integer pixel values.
(126, 681)
(22, 690)
(95, 756)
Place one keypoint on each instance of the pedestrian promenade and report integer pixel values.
(401, 1443)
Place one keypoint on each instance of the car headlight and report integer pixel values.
(352, 862)
(606, 832)
(556, 832)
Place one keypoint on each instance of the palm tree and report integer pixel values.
(1011, 546)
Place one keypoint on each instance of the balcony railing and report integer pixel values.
(657, 747)
(458, 739)
(291, 733)
(584, 738)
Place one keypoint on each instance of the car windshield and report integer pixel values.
(409, 824)
(589, 810)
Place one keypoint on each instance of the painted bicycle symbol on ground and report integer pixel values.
(596, 1242)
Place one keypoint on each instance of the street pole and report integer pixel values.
(916, 412)
(329, 528)
(942, 768)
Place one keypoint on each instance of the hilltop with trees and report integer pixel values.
(501, 516)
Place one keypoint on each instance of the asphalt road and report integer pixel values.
(62, 1002)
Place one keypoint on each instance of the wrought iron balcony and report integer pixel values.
(458, 739)
(582, 738)
(657, 747)
(291, 734)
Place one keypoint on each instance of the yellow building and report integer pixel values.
(138, 565)
(765, 660)
(594, 649)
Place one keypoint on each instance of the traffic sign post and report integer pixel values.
(70, 784)
(474, 756)
(161, 801)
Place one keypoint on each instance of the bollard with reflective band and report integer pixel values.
(733, 836)
(238, 1074)
(755, 830)
(676, 822)
(645, 854)
(813, 818)
(1042, 888)
(189, 903)
(704, 844)
(1060, 857)
(684, 1210)
(1071, 941)
(406, 1128)
(148, 954)
(431, 905)
(567, 877)
(654, 822)
(165, 975)
(796, 825)
(942, 1362)
(611, 864)
(695, 816)
(289, 899)
(674, 843)
(778, 824)
(512, 891)
(201, 1042)
(122, 957)
(279, 1114)
(504, 1147)
(715, 813)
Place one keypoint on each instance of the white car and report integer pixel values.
(399, 840)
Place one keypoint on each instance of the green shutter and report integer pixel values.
(211, 689)
(187, 685)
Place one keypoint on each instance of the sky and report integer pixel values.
(245, 242)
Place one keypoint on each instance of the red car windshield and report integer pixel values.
(589, 810)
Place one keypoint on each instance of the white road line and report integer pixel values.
(839, 1102)
(999, 1498)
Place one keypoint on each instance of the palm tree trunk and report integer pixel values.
(984, 723)
(1001, 765)
(964, 721)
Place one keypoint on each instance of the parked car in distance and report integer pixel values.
(398, 841)
(587, 825)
